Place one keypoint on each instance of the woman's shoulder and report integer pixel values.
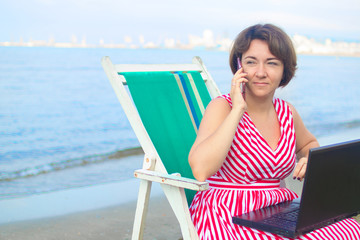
(215, 113)
(219, 104)
(289, 107)
(221, 100)
(225, 97)
(283, 103)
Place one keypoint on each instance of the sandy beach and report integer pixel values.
(108, 223)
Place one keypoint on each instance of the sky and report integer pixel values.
(113, 20)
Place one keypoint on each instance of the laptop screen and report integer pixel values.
(334, 191)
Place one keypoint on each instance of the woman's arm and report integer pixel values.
(304, 141)
(214, 138)
(217, 130)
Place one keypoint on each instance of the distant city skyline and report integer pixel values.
(141, 39)
(207, 41)
(118, 21)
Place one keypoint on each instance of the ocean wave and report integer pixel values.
(69, 163)
(319, 130)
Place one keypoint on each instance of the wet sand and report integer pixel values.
(109, 223)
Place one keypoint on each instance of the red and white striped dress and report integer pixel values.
(249, 179)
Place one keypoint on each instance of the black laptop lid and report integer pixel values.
(341, 195)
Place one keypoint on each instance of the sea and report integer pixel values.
(62, 127)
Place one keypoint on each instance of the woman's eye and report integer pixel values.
(273, 63)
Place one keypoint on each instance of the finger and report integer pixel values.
(240, 78)
(298, 167)
(302, 173)
(296, 171)
(300, 170)
(240, 73)
(241, 70)
(239, 84)
(237, 80)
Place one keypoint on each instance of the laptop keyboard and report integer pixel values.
(283, 218)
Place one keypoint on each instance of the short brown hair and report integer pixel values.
(280, 45)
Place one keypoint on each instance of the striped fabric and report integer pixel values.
(188, 88)
(250, 179)
(170, 105)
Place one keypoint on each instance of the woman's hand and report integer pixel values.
(300, 169)
(304, 141)
(237, 93)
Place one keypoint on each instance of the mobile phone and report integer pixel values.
(242, 85)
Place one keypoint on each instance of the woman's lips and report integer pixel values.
(260, 83)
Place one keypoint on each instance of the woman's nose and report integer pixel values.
(261, 71)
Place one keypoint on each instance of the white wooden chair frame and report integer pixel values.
(153, 169)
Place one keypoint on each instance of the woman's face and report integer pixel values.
(264, 70)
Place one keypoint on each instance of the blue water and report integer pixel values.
(61, 123)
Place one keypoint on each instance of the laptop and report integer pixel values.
(331, 192)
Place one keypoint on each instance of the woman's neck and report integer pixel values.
(259, 105)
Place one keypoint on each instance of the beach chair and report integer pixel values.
(164, 104)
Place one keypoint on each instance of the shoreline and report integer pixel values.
(109, 223)
(69, 201)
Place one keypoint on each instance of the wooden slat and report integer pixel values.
(156, 67)
(172, 180)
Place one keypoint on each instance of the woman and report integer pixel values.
(248, 141)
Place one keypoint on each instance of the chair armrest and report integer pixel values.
(170, 179)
